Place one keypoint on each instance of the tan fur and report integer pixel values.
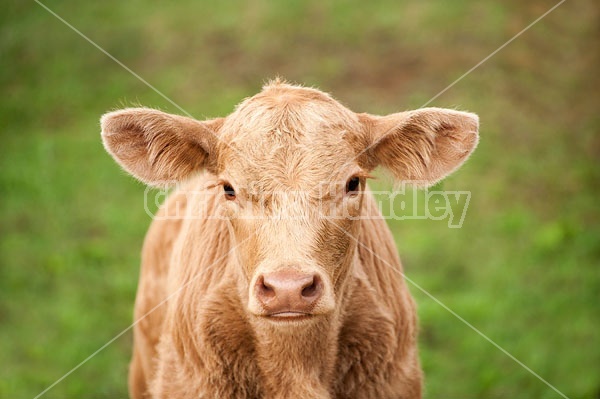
(288, 153)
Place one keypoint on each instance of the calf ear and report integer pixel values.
(421, 146)
(159, 148)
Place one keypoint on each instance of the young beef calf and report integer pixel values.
(269, 273)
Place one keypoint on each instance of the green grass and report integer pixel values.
(524, 268)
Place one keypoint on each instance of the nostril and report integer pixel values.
(264, 289)
(265, 286)
(309, 291)
(312, 289)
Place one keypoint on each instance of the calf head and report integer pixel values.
(290, 166)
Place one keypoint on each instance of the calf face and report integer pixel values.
(290, 166)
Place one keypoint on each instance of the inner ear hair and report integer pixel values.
(159, 148)
(421, 146)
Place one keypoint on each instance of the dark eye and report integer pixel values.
(352, 185)
(229, 192)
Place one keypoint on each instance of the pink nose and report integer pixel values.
(288, 292)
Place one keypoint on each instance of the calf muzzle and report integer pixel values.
(288, 292)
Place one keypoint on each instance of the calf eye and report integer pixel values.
(352, 185)
(229, 192)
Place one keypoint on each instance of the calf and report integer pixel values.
(269, 273)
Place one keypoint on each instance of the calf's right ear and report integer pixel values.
(159, 148)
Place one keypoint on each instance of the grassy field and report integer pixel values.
(524, 269)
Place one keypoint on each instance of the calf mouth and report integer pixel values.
(289, 315)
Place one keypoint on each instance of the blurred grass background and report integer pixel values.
(524, 268)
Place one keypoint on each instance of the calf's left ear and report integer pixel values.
(421, 146)
(159, 148)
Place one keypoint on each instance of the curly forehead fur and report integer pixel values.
(285, 111)
(289, 135)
